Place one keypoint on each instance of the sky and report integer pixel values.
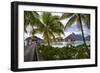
(72, 29)
(75, 29)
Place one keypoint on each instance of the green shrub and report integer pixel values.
(73, 52)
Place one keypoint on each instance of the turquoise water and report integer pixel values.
(61, 44)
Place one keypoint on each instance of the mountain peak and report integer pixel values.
(76, 36)
(73, 33)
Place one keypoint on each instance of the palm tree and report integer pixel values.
(46, 24)
(51, 26)
(79, 18)
(86, 20)
(31, 18)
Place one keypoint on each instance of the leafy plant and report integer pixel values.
(73, 52)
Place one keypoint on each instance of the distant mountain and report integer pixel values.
(78, 37)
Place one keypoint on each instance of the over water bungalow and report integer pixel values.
(70, 40)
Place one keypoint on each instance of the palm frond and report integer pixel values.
(66, 15)
(70, 21)
(46, 17)
(86, 19)
(56, 17)
(78, 22)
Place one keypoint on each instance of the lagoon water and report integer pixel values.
(63, 43)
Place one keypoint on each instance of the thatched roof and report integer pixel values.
(33, 38)
(29, 38)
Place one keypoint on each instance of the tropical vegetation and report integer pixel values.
(56, 53)
(50, 27)
(45, 24)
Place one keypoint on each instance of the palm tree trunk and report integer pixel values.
(82, 29)
(48, 43)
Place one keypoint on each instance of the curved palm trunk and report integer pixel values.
(48, 41)
(47, 36)
(82, 29)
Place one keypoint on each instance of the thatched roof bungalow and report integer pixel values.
(29, 40)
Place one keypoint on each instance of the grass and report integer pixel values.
(64, 53)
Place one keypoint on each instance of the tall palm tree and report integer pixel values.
(51, 26)
(46, 24)
(80, 19)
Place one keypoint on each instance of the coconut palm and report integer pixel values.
(31, 18)
(79, 18)
(46, 24)
(51, 26)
